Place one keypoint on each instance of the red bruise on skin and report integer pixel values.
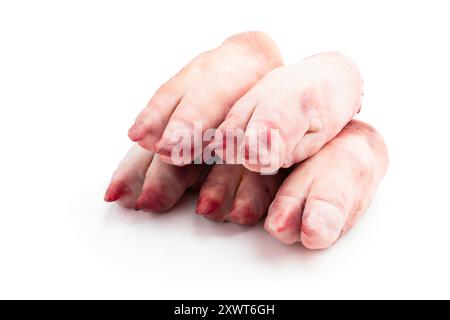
(250, 219)
(243, 214)
(207, 206)
(153, 201)
(116, 191)
(308, 100)
(309, 232)
(248, 216)
(283, 224)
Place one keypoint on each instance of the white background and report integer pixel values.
(73, 76)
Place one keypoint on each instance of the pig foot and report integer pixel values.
(295, 110)
(323, 196)
(232, 193)
(143, 182)
(203, 90)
